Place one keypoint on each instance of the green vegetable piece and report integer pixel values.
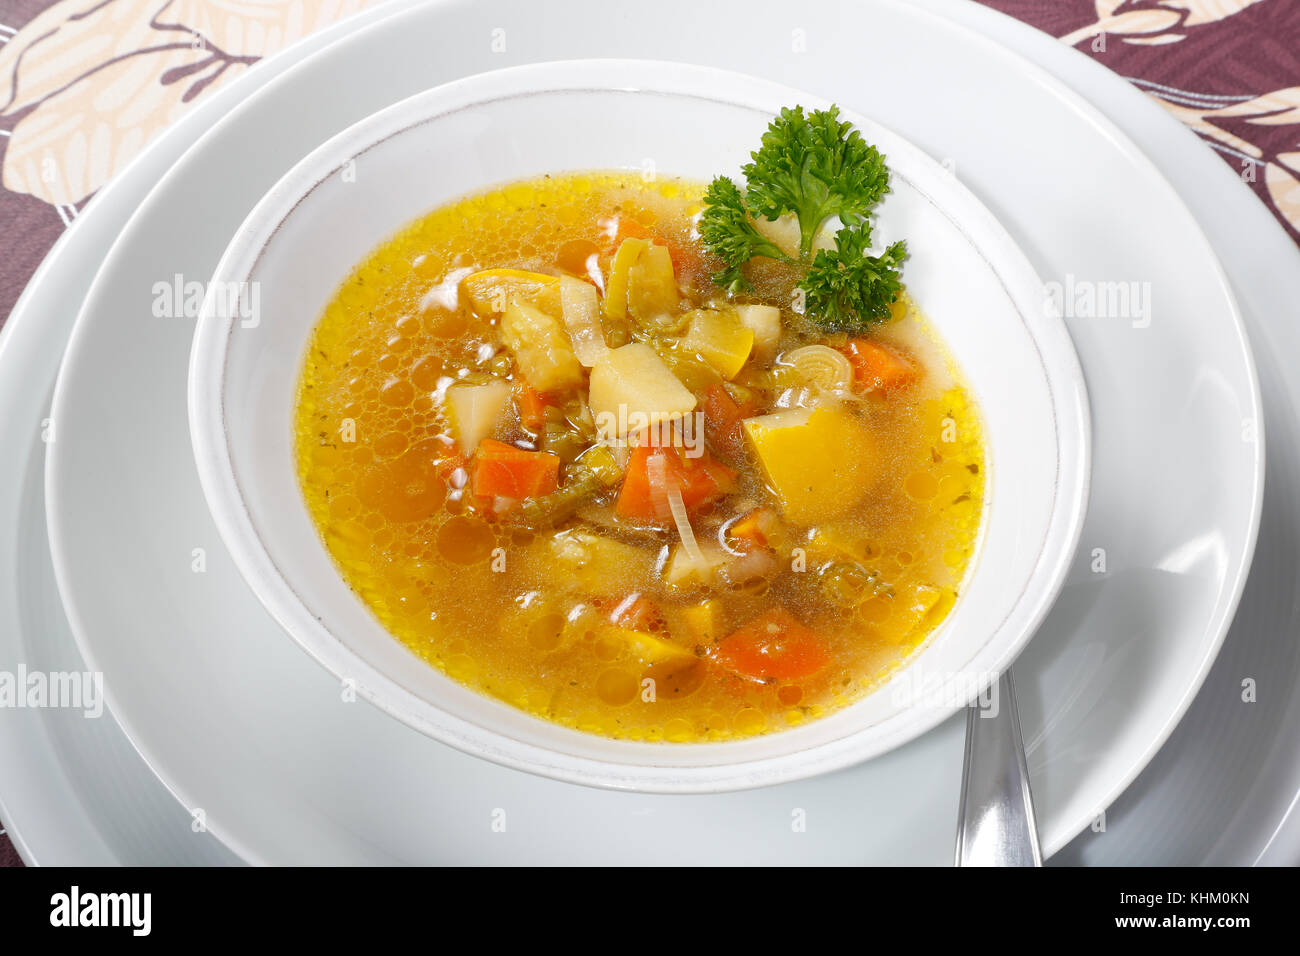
(848, 290)
(729, 234)
(815, 167)
(595, 470)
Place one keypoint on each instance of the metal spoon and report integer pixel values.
(995, 825)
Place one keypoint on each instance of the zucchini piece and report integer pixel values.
(720, 339)
(651, 284)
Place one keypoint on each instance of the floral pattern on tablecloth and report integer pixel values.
(85, 84)
(1228, 69)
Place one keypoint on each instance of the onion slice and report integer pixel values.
(580, 306)
(722, 535)
(821, 367)
(684, 529)
(661, 489)
(759, 563)
(656, 472)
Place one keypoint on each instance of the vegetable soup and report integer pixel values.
(652, 459)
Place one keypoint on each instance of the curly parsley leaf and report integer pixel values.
(815, 166)
(846, 289)
(729, 233)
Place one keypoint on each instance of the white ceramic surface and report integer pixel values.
(1225, 788)
(301, 805)
(967, 275)
(73, 791)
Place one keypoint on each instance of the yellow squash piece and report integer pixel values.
(720, 339)
(820, 462)
(704, 620)
(490, 292)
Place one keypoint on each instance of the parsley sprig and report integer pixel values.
(814, 166)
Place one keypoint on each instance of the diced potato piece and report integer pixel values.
(489, 292)
(580, 304)
(765, 322)
(616, 288)
(720, 339)
(598, 564)
(541, 347)
(632, 389)
(819, 461)
(783, 231)
(474, 411)
(652, 649)
(651, 284)
(684, 571)
(704, 620)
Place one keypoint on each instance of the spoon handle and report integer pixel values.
(995, 825)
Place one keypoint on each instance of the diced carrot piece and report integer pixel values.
(575, 255)
(772, 646)
(699, 480)
(877, 367)
(509, 472)
(703, 480)
(532, 406)
(614, 229)
(722, 418)
(635, 499)
(638, 613)
(759, 527)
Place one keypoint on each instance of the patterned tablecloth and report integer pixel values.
(85, 84)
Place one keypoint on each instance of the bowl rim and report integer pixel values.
(225, 498)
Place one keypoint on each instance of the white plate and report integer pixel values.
(1225, 788)
(1108, 675)
(1258, 253)
(74, 791)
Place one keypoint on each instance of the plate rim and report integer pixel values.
(1227, 610)
(19, 328)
